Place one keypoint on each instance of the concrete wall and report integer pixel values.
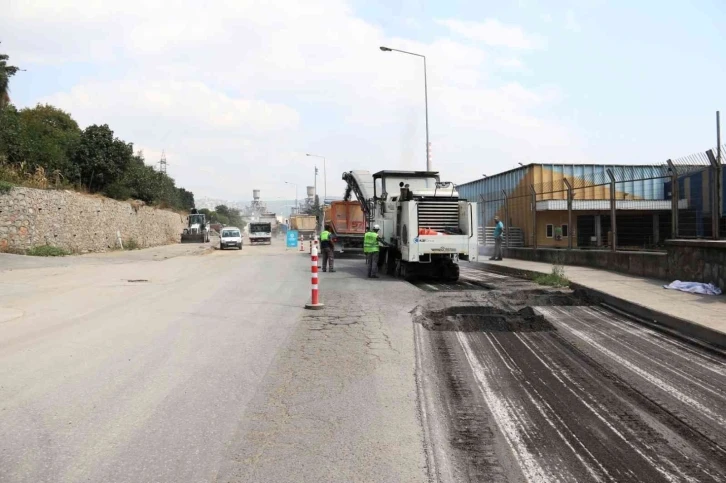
(685, 260)
(698, 261)
(80, 223)
(645, 264)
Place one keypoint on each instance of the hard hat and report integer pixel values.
(376, 227)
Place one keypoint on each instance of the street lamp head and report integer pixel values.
(306, 154)
(385, 49)
(483, 176)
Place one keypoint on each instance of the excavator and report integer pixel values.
(425, 226)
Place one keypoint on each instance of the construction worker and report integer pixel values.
(326, 244)
(370, 248)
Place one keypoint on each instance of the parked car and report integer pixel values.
(230, 237)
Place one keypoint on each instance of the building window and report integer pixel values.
(565, 229)
(550, 231)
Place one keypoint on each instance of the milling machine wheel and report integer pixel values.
(391, 263)
(451, 272)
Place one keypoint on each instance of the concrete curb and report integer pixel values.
(695, 333)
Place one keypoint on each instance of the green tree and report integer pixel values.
(186, 198)
(101, 159)
(141, 181)
(51, 137)
(232, 215)
(6, 72)
(12, 147)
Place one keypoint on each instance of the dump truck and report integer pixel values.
(197, 230)
(347, 225)
(305, 225)
(260, 233)
(427, 228)
(271, 218)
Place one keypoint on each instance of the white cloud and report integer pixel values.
(511, 63)
(236, 93)
(188, 103)
(547, 18)
(571, 22)
(493, 32)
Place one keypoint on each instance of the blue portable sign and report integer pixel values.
(292, 239)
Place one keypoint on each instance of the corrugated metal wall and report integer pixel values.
(589, 181)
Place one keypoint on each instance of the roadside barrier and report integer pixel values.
(314, 302)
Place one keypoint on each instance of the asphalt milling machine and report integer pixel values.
(426, 227)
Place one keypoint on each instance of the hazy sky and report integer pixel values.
(237, 91)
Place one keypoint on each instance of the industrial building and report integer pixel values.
(532, 201)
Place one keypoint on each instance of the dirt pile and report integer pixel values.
(485, 319)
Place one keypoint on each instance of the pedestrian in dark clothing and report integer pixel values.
(498, 237)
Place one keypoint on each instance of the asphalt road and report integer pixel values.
(526, 384)
(186, 364)
(162, 366)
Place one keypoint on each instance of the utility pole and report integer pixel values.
(162, 163)
(325, 175)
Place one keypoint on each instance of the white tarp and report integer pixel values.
(694, 287)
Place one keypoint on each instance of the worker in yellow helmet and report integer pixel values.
(370, 248)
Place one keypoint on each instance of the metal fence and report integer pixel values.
(620, 208)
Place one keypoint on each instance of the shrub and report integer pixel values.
(47, 251)
(131, 244)
(556, 278)
(5, 187)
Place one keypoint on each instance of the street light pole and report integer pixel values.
(426, 100)
(325, 175)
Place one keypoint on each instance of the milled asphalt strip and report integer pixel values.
(651, 378)
(507, 420)
(638, 353)
(596, 408)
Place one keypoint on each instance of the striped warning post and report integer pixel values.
(315, 301)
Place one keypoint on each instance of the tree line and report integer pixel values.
(224, 215)
(44, 146)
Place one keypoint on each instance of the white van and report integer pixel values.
(230, 237)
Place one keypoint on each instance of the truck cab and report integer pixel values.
(260, 232)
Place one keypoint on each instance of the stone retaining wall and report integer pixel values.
(80, 223)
